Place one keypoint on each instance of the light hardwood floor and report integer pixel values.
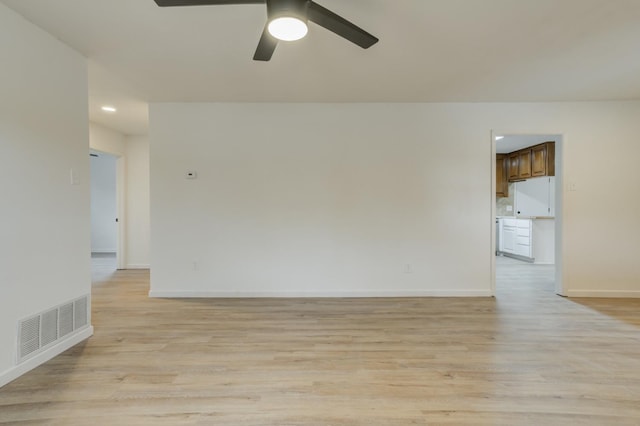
(525, 357)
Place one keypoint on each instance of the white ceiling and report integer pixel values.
(511, 143)
(429, 51)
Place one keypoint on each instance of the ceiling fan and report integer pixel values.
(287, 20)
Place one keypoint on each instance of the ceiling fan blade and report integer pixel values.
(266, 46)
(163, 3)
(329, 20)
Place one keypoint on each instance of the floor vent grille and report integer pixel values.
(38, 332)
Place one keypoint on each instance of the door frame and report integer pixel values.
(120, 207)
(561, 282)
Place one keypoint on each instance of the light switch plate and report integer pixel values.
(73, 177)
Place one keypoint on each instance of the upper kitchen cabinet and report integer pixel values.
(543, 158)
(520, 165)
(524, 163)
(535, 161)
(513, 166)
(502, 181)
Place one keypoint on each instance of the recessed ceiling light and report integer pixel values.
(107, 108)
(499, 137)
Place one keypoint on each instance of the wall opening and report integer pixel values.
(106, 236)
(526, 219)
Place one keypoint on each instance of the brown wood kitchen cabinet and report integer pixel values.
(520, 165)
(502, 178)
(543, 159)
(513, 166)
(524, 163)
(537, 160)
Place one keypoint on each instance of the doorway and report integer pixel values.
(106, 238)
(526, 249)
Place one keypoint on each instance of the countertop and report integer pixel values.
(525, 217)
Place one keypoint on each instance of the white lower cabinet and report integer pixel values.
(508, 236)
(516, 237)
(523, 237)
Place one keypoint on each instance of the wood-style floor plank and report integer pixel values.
(525, 357)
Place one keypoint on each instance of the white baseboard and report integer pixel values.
(333, 294)
(630, 294)
(20, 369)
(137, 266)
(105, 251)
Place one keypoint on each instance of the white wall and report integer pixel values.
(137, 153)
(44, 220)
(543, 236)
(336, 199)
(103, 204)
(107, 140)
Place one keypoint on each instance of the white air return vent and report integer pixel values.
(38, 332)
(49, 327)
(80, 313)
(65, 314)
(29, 336)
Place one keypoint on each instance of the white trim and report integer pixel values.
(561, 256)
(604, 293)
(103, 251)
(137, 266)
(561, 252)
(319, 294)
(492, 242)
(28, 365)
(121, 201)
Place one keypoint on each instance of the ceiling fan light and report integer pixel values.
(287, 28)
